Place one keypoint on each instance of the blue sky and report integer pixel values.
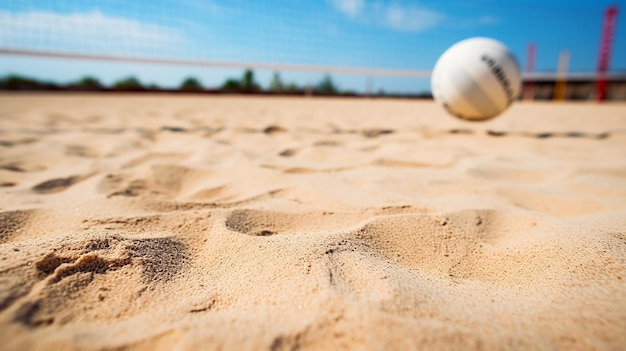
(362, 33)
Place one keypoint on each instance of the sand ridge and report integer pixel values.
(161, 222)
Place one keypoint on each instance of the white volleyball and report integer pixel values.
(476, 79)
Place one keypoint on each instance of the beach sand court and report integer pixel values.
(185, 222)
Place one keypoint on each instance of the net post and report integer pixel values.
(606, 47)
(560, 85)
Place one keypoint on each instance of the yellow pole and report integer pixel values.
(561, 76)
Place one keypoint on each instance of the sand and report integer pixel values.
(254, 223)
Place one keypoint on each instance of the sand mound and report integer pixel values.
(282, 224)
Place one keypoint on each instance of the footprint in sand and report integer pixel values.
(23, 141)
(122, 185)
(288, 152)
(164, 179)
(546, 135)
(57, 185)
(173, 129)
(80, 151)
(469, 244)
(273, 129)
(22, 166)
(175, 181)
(269, 130)
(91, 268)
(265, 223)
(373, 133)
(13, 167)
(461, 131)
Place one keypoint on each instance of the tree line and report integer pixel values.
(244, 84)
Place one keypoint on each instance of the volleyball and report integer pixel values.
(476, 79)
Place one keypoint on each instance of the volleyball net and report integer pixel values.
(343, 37)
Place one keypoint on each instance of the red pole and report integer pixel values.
(606, 47)
(531, 54)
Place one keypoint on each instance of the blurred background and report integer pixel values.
(362, 47)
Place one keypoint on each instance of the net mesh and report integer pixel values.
(383, 34)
